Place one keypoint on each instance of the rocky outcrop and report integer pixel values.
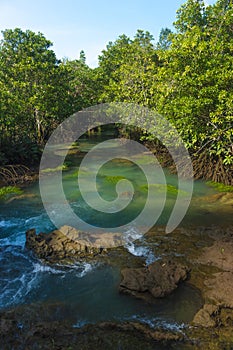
(57, 246)
(157, 280)
(205, 316)
(220, 253)
(39, 326)
(68, 242)
(217, 289)
(218, 292)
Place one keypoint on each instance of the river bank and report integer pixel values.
(204, 167)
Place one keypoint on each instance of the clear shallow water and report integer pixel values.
(91, 290)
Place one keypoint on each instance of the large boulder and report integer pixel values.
(68, 242)
(158, 279)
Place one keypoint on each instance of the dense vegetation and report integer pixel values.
(187, 76)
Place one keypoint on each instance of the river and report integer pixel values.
(89, 291)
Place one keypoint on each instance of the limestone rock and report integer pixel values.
(56, 245)
(33, 326)
(220, 289)
(158, 279)
(204, 317)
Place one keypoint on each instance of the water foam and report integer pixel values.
(133, 238)
(21, 274)
(156, 322)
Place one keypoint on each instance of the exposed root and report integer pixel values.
(211, 168)
(205, 166)
(12, 174)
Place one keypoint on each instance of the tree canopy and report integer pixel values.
(186, 76)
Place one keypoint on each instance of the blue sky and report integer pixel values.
(75, 25)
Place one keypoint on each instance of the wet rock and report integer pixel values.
(44, 326)
(158, 279)
(70, 246)
(65, 243)
(6, 326)
(159, 335)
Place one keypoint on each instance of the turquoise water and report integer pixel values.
(90, 290)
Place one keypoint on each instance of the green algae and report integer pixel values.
(62, 167)
(113, 179)
(161, 188)
(7, 191)
(220, 186)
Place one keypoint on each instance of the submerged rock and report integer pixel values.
(225, 198)
(157, 280)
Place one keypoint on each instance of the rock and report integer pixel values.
(56, 246)
(220, 254)
(204, 317)
(158, 279)
(221, 198)
(220, 289)
(217, 288)
(226, 318)
(225, 198)
(159, 334)
(93, 239)
(69, 243)
(40, 326)
(6, 326)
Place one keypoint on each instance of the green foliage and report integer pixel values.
(82, 57)
(127, 69)
(83, 84)
(6, 192)
(32, 91)
(164, 42)
(37, 92)
(187, 77)
(23, 151)
(191, 14)
(194, 89)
